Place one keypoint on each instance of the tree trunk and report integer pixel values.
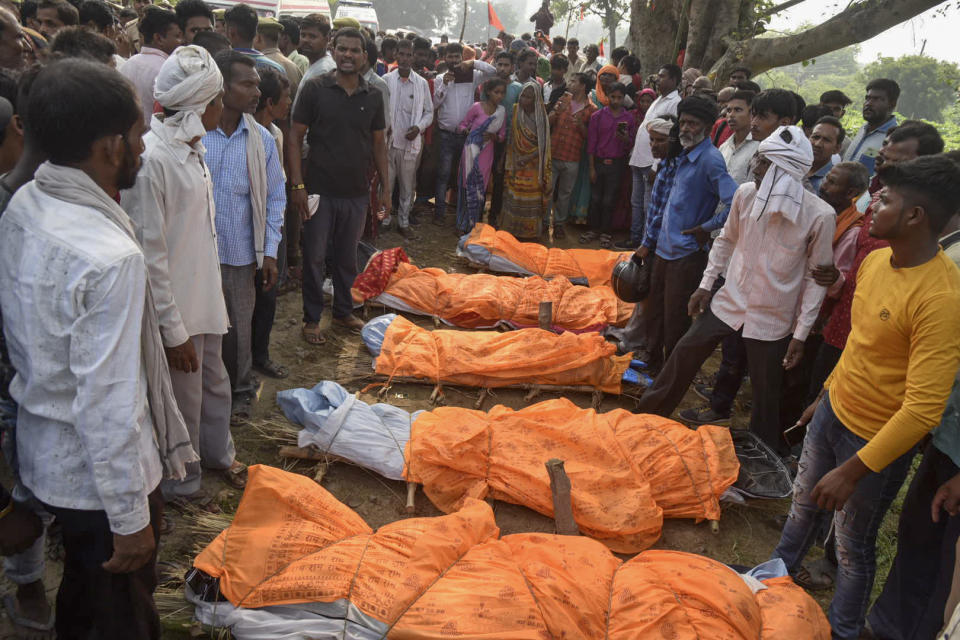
(710, 21)
(653, 28)
(611, 21)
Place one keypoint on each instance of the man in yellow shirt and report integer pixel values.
(888, 389)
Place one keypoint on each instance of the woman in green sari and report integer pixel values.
(527, 181)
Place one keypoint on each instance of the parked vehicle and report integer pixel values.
(274, 8)
(362, 10)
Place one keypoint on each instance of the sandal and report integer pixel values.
(312, 334)
(587, 237)
(200, 501)
(559, 233)
(605, 241)
(236, 475)
(818, 576)
(272, 369)
(240, 412)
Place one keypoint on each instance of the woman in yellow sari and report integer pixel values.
(527, 181)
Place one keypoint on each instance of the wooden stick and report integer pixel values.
(715, 526)
(533, 393)
(302, 453)
(321, 472)
(411, 492)
(545, 315)
(562, 388)
(597, 399)
(562, 505)
(483, 396)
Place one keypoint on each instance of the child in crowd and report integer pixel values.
(609, 141)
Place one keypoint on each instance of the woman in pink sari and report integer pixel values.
(483, 124)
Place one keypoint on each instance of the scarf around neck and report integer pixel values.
(173, 440)
(257, 170)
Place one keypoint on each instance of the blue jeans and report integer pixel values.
(827, 445)
(449, 148)
(639, 201)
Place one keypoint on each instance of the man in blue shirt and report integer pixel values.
(679, 235)
(878, 107)
(248, 190)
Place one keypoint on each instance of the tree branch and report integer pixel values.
(855, 24)
(783, 6)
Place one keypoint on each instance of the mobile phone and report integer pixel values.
(795, 435)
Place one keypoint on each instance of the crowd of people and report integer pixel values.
(165, 172)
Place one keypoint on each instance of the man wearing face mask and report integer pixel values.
(776, 234)
(690, 215)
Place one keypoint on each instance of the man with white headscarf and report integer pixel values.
(172, 208)
(775, 235)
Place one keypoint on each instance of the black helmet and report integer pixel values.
(631, 279)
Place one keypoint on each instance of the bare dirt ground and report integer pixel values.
(747, 535)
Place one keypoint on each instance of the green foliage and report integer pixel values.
(936, 83)
(927, 86)
(835, 70)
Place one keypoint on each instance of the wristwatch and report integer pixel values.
(297, 187)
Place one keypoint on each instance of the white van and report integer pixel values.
(274, 8)
(362, 11)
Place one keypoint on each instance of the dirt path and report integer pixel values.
(747, 533)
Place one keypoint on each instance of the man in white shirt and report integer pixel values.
(161, 35)
(641, 159)
(412, 113)
(84, 338)
(453, 96)
(777, 232)
(738, 150)
(314, 35)
(172, 208)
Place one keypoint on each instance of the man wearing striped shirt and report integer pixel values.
(775, 235)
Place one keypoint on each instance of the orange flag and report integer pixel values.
(492, 18)
(601, 49)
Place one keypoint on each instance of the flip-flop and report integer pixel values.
(236, 475)
(587, 237)
(605, 241)
(17, 618)
(313, 336)
(272, 369)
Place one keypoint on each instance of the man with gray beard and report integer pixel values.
(678, 238)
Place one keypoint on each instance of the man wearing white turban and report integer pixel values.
(172, 208)
(774, 237)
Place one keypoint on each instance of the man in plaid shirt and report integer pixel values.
(568, 122)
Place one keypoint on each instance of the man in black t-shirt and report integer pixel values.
(344, 122)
